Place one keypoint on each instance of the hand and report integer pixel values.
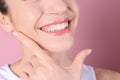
(42, 67)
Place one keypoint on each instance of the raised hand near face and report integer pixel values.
(42, 67)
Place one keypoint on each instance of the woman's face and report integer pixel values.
(50, 23)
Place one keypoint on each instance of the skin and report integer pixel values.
(40, 55)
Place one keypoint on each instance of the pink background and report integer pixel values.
(99, 29)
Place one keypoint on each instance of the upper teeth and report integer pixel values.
(57, 27)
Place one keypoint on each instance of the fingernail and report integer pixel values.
(89, 51)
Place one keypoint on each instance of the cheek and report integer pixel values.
(56, 45)
(74, 7)
(25, 19)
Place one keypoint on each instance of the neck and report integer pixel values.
(62, 59)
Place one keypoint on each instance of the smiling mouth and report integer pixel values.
(60, 27)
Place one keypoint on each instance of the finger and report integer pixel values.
(25, 40)
(24, 76)
(32, 45)
(28, 68)
(36, 63)
(79, 59)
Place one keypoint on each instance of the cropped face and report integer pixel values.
(50, 23)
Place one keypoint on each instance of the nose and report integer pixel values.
(56, 7)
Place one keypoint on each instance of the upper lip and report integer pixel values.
(59, 21)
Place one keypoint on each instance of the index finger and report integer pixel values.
(32, 45)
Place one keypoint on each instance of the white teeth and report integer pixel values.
(63, 26)
(48, 29)
(51, 29)
(57, 27)
(66, 24)
(54, 27)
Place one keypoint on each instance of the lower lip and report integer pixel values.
(61, 32)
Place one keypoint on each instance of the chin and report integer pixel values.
(61, 47)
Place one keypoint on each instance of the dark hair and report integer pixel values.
(3, 7)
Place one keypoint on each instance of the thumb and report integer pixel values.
(79, 59)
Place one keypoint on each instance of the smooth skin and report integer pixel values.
(41, 66)
(44, 53)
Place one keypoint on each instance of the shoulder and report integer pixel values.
(104, 74)
(88, 73)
